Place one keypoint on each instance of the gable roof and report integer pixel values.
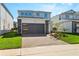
(69, 12)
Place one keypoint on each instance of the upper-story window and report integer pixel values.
(30, 13)
(70, 16)
(34, 14)
(67, 16)
(37, 14)
(22, 13)
(64, 16)
(45, 15)
(26, 13)
(77, 17)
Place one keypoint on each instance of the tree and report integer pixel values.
(55, 31)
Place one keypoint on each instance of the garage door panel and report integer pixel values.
(34, 29)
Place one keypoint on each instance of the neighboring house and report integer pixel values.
(33, 22)
(6, 19)
(68, 21)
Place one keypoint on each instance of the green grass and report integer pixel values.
(71, 38)
(10, 40)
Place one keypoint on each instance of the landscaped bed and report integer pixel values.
(10, 40)
(71, 38)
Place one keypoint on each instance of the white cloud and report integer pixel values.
(70, 4)
(67, 4)
(47, 7)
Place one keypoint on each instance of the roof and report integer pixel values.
(74, 12)
(33, 11)
(69, 12)
(7, 10)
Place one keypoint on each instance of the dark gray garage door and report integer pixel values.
(33, 28)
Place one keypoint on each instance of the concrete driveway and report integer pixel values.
(28, 41)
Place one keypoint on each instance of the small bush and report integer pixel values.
(13, 29)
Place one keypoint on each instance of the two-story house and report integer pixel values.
(68, 21)
(33, 22)
(6, 19)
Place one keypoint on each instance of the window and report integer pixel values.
(45, 15)
(77, 17)
(64, 17)
(71, 16)
(25, 13)
(22, 13)
(67, 16)
(30, 13)
(37, 14)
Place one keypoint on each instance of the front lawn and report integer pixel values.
(71, 38)
(10, 40)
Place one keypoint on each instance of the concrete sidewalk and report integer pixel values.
(10, 52)
(54, 50)
(51, 50)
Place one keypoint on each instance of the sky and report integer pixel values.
(54, 8)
